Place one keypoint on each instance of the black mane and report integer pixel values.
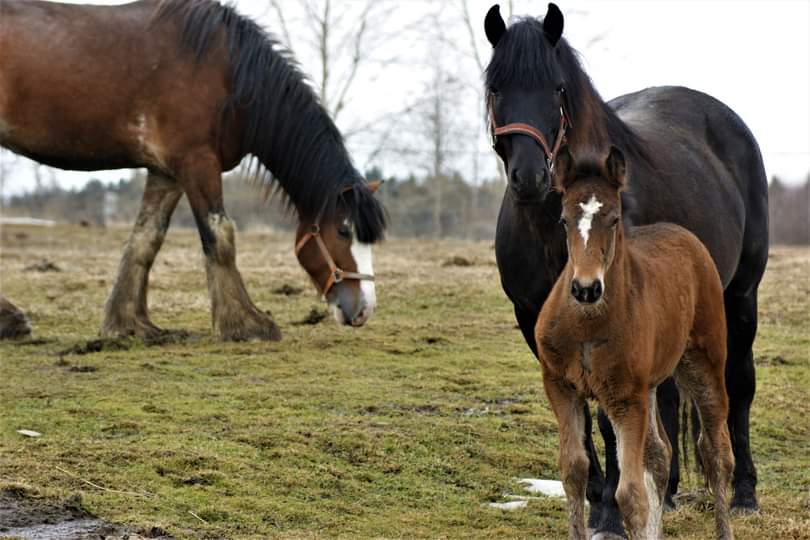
(296, 146)
(525, 59)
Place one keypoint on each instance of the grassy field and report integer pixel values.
(407, 427)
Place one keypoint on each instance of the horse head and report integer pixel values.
(334, 248)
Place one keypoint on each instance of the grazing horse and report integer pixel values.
(187, 89)
(691, 161)
(631, 308)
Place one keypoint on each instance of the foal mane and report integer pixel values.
(295, 146)
(524, 58)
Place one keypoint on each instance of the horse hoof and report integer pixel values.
(669, 503)
(141, 328)
(744, 503)
(262, 328)
(603, 535)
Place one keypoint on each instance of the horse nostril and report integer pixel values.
(576, 289)
(597, 291)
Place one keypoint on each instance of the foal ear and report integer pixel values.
(494, 26)
(563, 169)
(615, 167)
(553, 24)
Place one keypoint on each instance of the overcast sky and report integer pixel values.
(752, 55)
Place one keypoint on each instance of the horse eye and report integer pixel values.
(344, 231)
(614, 222)
(563, 222)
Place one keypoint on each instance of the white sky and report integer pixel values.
(752, 55)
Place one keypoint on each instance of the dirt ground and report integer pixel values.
(408, 427)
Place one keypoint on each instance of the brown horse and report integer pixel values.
(187, 89)
(630, 309)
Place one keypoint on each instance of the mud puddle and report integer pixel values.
(25, 515)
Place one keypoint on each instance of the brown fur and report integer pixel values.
(661, 313)
(100, 87)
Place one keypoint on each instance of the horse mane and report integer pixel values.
(294, 145)
(525, 59)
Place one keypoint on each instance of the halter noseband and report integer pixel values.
(336, 274)
(531, 131)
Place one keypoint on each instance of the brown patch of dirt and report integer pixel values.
(458, 260)
(42, 266)
(288, 290)
(315, 316)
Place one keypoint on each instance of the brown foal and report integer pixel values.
(630, 309)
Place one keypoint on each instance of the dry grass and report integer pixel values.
(404, 428)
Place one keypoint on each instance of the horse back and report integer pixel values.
(95, 87)
(705, 172)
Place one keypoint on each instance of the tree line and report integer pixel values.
(465, 210)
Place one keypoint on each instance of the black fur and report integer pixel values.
(294, 143)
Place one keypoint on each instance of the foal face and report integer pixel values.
(591, 215)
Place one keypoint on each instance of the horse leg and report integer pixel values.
(706, 385)
(629, 416)
(657, 460)
(125, 312)
(234, 315)
(741, 314)
(573, 461)
(610, 524)
(669, 407)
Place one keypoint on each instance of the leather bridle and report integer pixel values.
(336, 274)
(549, 152)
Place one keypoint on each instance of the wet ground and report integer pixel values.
(25, 515)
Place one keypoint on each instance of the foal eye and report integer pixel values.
(344, 232)
(614, 222)
(563, 222)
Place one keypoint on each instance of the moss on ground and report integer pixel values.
(404, 428)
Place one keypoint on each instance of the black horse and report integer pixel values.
(690, 160)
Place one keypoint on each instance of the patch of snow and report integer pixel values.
(511, 505)
(550, 488)
(29, 433)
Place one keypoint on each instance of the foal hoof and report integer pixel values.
(669, 503)
(259, 327)
(603, 535)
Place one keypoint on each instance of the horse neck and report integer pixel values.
(591, 118)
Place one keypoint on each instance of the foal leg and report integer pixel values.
(706, 385)
(573, 460)
(234, 315)
(657, 459)
(630, 417)
(125, 312)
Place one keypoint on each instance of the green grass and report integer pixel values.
(404, 428)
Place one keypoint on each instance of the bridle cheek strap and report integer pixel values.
(336, 274)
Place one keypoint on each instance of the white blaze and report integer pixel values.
(363, 258)
(589, 210)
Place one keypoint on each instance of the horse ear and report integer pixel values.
(563, 163)
(553, 24)
(494, 25)
(615, 166)
(374, 185)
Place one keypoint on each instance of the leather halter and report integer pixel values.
(525, 129)
(336, 274)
